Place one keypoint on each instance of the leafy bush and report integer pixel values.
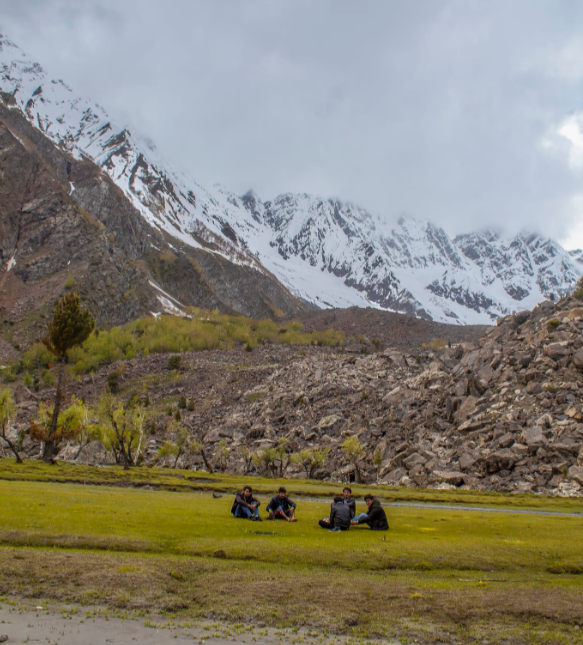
(174, 362)
(113, 382)
(578, 293)
(48, 379)
(10, 373)
(36, 357)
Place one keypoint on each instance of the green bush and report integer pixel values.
(578, 293)
(37, 357)
(205, 330)
(10, 373)
(48, 379)
(174, 362)
(113, 382)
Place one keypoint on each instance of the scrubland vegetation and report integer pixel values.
(204, 330)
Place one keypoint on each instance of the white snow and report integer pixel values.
(331, 253)
(165, 294)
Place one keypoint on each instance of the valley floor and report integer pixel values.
(439, 575)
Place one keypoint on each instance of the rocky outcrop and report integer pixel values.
(501, 414)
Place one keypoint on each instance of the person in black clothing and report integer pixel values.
(281, 507)
(349, 501)
(375, 517)
(245, 505)
(339, 519)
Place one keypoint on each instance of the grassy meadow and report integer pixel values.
(438, 575)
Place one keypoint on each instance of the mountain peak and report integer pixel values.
(329, 252)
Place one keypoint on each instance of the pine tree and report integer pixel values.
(70, 327)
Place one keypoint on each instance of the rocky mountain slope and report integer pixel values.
(327, 252)
(64, 224)
(503, 413)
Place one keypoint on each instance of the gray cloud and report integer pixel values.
(443, 109)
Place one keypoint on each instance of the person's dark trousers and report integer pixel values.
(245, 512)
(326, 525)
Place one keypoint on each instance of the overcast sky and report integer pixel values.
(462, 112)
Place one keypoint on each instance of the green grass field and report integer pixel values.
(438, 575)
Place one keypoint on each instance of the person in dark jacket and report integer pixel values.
(375, 517)
(281, 507)
(339, 519)
(349, 501)
(245, 505)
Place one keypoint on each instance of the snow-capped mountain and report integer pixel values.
(328, 252)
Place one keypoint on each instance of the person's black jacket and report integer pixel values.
(241, 499)
(351, 505)
(276, 501)
(376, 517)
(340, 516)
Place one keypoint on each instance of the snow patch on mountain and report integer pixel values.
(329, 252)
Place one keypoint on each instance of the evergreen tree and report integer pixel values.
(70, 327)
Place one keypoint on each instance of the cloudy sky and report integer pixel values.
(466, 113)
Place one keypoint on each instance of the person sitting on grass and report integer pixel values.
(349, 501)
(340, 516)
(376, 517)
(281, 507)
(245, 505)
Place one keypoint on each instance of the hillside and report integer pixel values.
(64, 224)
(377, 329)
(502, 414)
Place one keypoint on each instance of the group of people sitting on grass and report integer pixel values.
(342, 512)
(280, 506)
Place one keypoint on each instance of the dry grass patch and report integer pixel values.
(381, 604)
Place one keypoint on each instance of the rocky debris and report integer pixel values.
(502, 414)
